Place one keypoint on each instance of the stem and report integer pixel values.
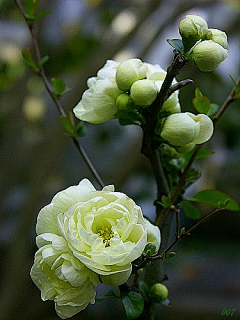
(61, 111)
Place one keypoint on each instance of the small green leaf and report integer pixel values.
(58, 86)
(67, 126)
(201, 104)
(81, 129)
(30, 7)
(43, 60)
(144, 289)
(198, 93)
(41, 14)
(27, 56)
(215, 199)
(213, 109)
(236, 87)
(110, 294)
(166, 201)
(176, 44)
(191, 211)
(133, 303)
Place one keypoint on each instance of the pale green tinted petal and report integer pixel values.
(206, 129)
(219, 37)
(109, 188)
(153, 234)
(108, 70)
(186, 148)
(65, 312)
(46, 220)
(180, 129)
(116, 279)
(86, 114)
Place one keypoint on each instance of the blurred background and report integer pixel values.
(37, 159)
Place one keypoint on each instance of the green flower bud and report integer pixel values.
(128, 72)
(208, 55)
(144, 92)
(124, 100)
(192, 29)
(206, 127)
(158, 292)
(218, 36)
(180, 129)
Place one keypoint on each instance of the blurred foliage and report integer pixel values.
(37, 160)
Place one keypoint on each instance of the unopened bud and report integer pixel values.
(128, 72)
(208, 55)
(144, 92)
(123, 101)
(158, 292)
(219, 37)
(192, 29)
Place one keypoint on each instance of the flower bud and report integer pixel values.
(158, 292)
(180, 129)
(208, 55)
(124, 100)
(192, 29)
(144, 92)
(128, 72)
(218, 36)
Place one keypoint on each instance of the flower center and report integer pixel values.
(106, 234)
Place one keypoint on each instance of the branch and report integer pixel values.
(42, 74)
(181, 183)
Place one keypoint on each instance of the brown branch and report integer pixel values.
(42, 74)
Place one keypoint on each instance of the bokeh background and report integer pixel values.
(37, 159)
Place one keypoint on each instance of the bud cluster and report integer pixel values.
(209, 47)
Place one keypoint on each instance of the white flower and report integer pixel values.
(61, 277)
(105, 230)
(98, 102)
(153, 234)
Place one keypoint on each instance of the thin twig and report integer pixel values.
(42, 74)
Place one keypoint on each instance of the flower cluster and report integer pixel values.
(125, 86)
(210, 46)
(85, 236)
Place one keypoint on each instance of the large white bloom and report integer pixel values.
(61, 277)
(105, 230)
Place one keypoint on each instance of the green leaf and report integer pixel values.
(110, 294)
(58, 86)
(27, 56)
(43, 60)
(167, 256)
(67, 126)
(176, 44)
(213, 109)
(201, 104)
(129, 117)
(81, 129)
(215, 199)
(30, 7)
(144, 289)
(198, 93)
(41, 14)
(191, 211)
(166, 201)
(236, 87)
(133, 303)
